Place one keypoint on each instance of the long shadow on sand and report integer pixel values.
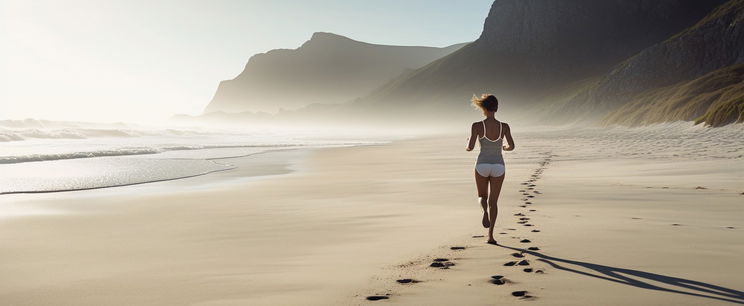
(636, 278)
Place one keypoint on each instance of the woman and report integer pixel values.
(489, 167)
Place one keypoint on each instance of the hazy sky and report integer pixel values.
(137, 60)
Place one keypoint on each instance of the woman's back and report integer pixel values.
(490, 148)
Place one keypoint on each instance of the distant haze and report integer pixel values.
(327, 69)
(146, 60)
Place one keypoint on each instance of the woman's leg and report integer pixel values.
(493, 201)
(482, 183)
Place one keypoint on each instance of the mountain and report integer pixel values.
(328, 68)
(693, 75)
(531, 49)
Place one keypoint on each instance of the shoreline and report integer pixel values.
(248, 162)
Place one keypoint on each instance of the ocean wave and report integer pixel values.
(76, 155)
(8, 135)
(20, 130)
(132, 151)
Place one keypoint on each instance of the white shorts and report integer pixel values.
(493, 170)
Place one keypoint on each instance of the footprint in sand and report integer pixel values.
(522, 222)
(636, 218)
(524, 218)
(533, 209)
(730, 227)
(523, 263)
(527, 224)
(528, 270)
(442, 265)
(533, 248)
(527, 202)
(535, 230)
(498, 280)
(522, 205)
(377, 297)
(517, 255)
(478, 236)
(675, 224)
(519, 214)
(519, 293)
(525, 241)
(457, 248)
(407, 281)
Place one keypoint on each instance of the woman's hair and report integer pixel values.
(486, 102)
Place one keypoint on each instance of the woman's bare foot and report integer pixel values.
(486, 223)
(492, 241)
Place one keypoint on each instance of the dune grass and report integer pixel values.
(714, 99)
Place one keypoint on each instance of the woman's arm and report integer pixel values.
(473, 137)
(509, 139)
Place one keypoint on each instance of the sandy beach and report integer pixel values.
(611, 233)
(316, 153)
(336, 225)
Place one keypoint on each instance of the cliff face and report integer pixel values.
(531, 48)
(675, 65)
(326, 69)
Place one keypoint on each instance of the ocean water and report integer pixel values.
(43, 156)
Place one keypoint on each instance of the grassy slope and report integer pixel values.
(715, 99)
